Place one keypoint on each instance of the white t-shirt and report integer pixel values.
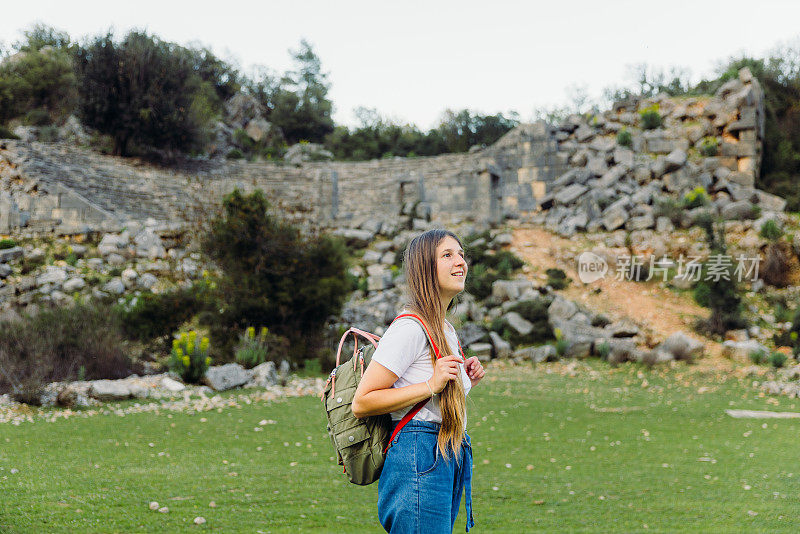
(405, 351)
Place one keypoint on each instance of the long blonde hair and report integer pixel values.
(423, 299)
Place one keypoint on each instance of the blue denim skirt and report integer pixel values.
(418, 491)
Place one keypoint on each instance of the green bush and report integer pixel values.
(256, 349)
(234, 153)
(757, 357)
(561, 346)
(504, 261)
(670, 208)
(534, 311)
(651, 118)
(624, 137)
(189, 357)
(777, 359)
(39, 85)
(272, 275)
(696, 198)
(709, 146)
(770, 230)
(7, 243)
(480, 279)
(727, 309)
(5, 133)
(37, 117)
(55, 344)
(702, 293)
(153, 316)
(557, 278)
(603, 350)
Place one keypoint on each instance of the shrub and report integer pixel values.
(37, 117)
(561, 346)
(777, 359)
(480, 279)
(709, 146)
(557, 278)
(600, 321)
(670, 208)
(757, 357)
(5, 133)
(696, 198)
(534, 311)
(153, 316)
(603, 349)
(722, 294)
(189, 357)
(777, 264)
(770, 230)
(7, 243)
(624, 137)
(234, 153)
(55, 344)
(651, 118)
(272, 275)
(256, 349)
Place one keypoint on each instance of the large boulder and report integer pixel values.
(543, 353)
(682, 347)
(502, 348)
(741, 350)
(110, 390)
(264, 375)
(226, 376)
(521, 325)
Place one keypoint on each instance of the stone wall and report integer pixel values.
(67, 189)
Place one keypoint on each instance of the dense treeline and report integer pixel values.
(143, 93)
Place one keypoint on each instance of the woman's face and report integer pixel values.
(451, 267)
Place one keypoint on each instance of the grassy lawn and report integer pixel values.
(556, 448)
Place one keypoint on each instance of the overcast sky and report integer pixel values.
(413, 59)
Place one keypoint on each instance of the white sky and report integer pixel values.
(413, 59)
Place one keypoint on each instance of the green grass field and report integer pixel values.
(626, 449)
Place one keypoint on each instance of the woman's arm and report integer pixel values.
(375, 394)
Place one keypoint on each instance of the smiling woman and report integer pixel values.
(429, 462)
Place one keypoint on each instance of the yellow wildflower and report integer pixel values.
(251, 332)
(186, 361)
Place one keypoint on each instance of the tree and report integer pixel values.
(299, 103)
(143, 91)
(463, 129)
(273, 275)
(40, 36)
(38, 79)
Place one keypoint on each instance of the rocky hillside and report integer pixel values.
(655, 163)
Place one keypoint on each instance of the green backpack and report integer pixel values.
(361, 444)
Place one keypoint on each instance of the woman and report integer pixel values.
(429, 462)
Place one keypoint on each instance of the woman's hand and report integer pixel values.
(474, 370)
(446, 369)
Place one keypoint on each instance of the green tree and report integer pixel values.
(145, 92)
(38, 80)
(299, 103)
(273, 275)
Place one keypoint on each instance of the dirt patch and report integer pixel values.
(656, 310)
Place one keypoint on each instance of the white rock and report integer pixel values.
(153, 505)
(114, 286)
(172, 385)
(74, 284)
(199, 520)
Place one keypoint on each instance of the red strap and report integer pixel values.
(417, 407)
